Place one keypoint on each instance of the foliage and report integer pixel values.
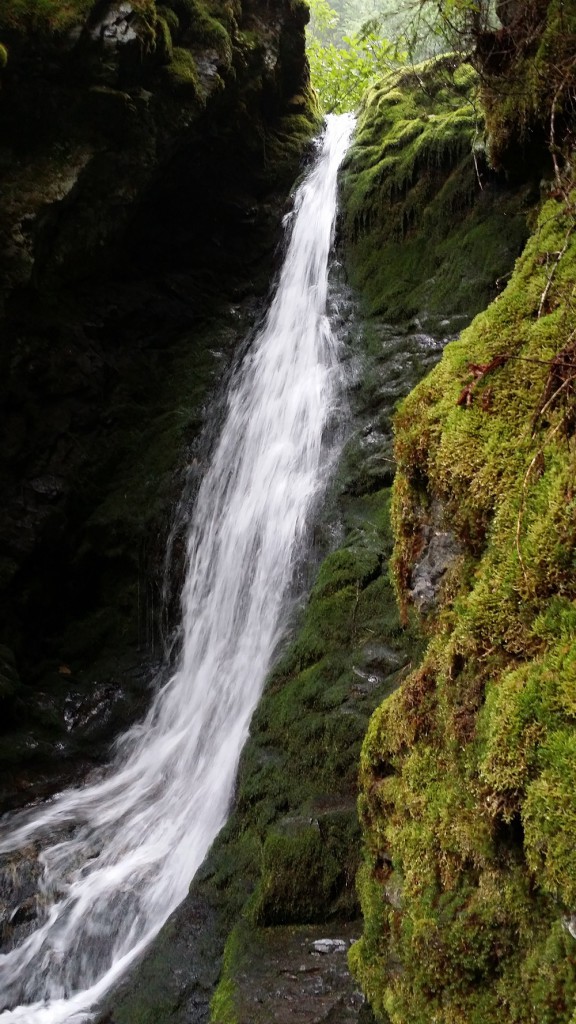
(414, 26)
(459, 22)
(341, 69)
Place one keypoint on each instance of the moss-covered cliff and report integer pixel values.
(430, 229)
(467, 771)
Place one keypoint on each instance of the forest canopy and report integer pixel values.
(352, 43)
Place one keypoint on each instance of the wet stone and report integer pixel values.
(19, 906)
(299, 976)
(329, 946)
(441, 549)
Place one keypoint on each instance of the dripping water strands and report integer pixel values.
(118, 855)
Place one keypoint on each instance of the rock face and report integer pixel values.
(431, 230)
(146, 152)
(440, 549)
(94, 107)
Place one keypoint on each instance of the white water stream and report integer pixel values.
(121, 853)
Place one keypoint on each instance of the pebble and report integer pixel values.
(329, 946)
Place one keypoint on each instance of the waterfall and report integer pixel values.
(118, 855)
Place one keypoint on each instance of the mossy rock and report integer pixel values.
(182, 73)
(528, 80)
(299, 876)
(467, 771)
(430, 231)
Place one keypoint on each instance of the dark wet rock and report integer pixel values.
(62, 726)
(375, 664)
(440, 549)
(9, 679)
(176, 977)
(20, 902)
(297, 976)
(134, 259)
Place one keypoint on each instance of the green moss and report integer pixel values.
(467, 771)
(171, 20)
(291, 134)
(222, 1004)
(428, 231)
(300, 873)
(164, 39)
(55, 15)
(206, 23)
(528, 81)
(182, 73)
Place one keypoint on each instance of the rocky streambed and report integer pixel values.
(281, 875)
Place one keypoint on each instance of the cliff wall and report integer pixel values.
(467, 770)
(145, 154)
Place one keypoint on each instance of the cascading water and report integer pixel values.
(122, 852)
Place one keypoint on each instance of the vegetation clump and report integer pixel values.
(524, 51)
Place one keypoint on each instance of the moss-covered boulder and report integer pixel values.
(431, 231)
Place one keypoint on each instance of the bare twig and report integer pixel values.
(544, 295)
(477, 169)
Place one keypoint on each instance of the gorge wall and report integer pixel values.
(146, 152)
(467, 771)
